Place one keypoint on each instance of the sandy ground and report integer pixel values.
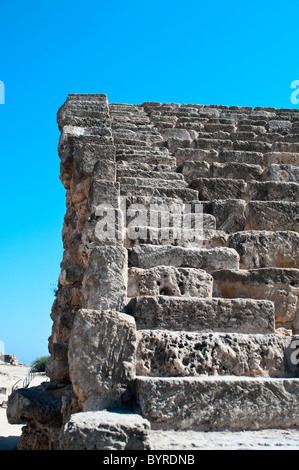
(275, 439)
(9, 375)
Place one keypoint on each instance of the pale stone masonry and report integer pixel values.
(160, 331)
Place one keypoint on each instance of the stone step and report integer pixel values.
(168, 280)
(279, 285)
(235, 170)
(226, 402)
(163, 159)
(219, 188)
(149, 256)
(180, 194)
(284, 158)
(281, 173)
(163, 183)
(272, 215)
(229, 214)
(264, 249)
(166, 353)
(252, 146)
(272, 191)
(193, 170)
(214, 144)
(195, 155)
(144, 170)
(237, 156)
(208, 314)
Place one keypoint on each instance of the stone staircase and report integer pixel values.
(215, 323)
(172, 328)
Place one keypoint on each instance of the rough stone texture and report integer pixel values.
(273, 215)
(219, 188)
(148, 256)
(166, 353)
(101, 356)
(230, 214)
(243, 163)
(281, 286)
(105, 278)
(164, 280)
(193, 314)
(217, 403)
(264, 249)
(103, 430)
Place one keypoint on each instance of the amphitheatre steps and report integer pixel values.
(168, 353)
(197, 313)
(227, 402)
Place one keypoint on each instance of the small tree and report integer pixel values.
(39, 364)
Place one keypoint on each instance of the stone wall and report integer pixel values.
(171, 325)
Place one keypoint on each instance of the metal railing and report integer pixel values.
(24, 383)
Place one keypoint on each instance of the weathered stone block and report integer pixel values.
(229, 214)
(148, 256)
(102, 356)
(193, 313)
(105, 278)
(273, 191)
(264, 249)
(284, 158)
(281, 286)
(193, 170)
(283, 173)
(195, 155)
(218, 402)
(239, 156)
(167, 353)
(219, 188)
(165, 280)
(272, 215)
(103, 430)
(235, 170)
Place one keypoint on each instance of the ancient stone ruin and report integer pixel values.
(163, 325)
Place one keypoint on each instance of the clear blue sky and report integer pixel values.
(231, 53)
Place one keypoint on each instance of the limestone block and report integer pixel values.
(219, 188)
(102, 356)
(273, 191)
(148, 256)
(193, 170)
(235, 170)
(239, 156)
(219, 402)
(165, 280)
(42, 404)
(285, 158)
(229, 214)
(286, 173)
(195, 155)
(252, 146)
(193, 313)
(264, 249)
(281, 286)
(104, 430)
(272, 215)
(105, 278)
(167, 353)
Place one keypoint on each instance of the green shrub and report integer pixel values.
(39, 365)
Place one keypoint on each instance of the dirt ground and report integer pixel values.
(9, 375)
